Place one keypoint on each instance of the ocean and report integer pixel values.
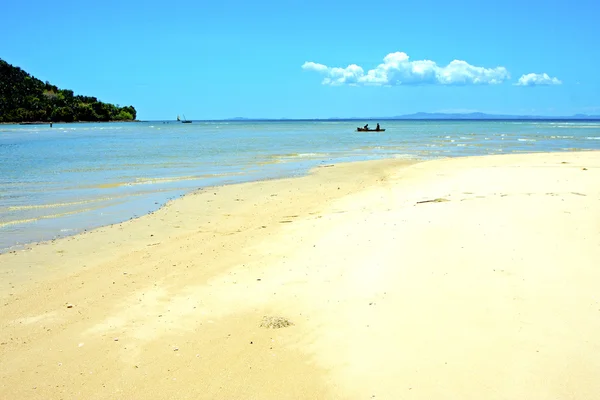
(62, 180)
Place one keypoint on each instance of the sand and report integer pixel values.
(466, 278)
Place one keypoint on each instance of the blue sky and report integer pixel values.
(221, 59)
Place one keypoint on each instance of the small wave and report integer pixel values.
(56, 205)
(154, 181)
(301, 155)
(593, 137)
(576, 126)
(51, 216)
(289, 157)
(146, 181)
(268, 162)
(526, 140)
(372, 148)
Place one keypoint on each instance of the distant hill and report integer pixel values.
(478, 115)
(434, 116)
(23, 98)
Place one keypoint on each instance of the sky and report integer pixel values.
(313, 59)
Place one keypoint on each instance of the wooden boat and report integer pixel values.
(369, 130)
(184, 120)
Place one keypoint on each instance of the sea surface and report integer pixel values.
(62, 180)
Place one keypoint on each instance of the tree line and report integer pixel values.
(24, 98)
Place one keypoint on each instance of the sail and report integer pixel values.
(178, 119)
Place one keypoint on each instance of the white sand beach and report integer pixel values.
(462, 278)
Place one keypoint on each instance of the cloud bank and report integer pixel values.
(537, 80)
(397, 69)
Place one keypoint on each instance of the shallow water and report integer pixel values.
(61, 180)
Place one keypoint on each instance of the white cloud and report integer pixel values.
(397, 69)
(315, 67)
(537, 80)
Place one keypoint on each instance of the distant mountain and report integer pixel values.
(23, 98)
(479, 115)
(434, 116)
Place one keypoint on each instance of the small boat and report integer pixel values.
(184, 121)
(369, 130)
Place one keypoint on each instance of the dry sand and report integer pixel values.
(471, 278)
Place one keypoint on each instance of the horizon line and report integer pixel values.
(476, 116)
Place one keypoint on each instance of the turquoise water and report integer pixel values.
(61, 180)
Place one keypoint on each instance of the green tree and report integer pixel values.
(123, 116)
(62, 114)
(130, 110)
(85, 112)
(25, 98)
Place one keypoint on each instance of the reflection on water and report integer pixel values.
(78, 176)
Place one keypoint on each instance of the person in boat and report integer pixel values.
(377, 128)
(366, 126)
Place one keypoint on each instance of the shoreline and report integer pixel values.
(451, 274)
(354, 166)
(61, 122)
(304, 173)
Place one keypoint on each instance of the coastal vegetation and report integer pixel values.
(24, 98)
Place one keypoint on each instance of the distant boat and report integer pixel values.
(184, 120)
(369, 130)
